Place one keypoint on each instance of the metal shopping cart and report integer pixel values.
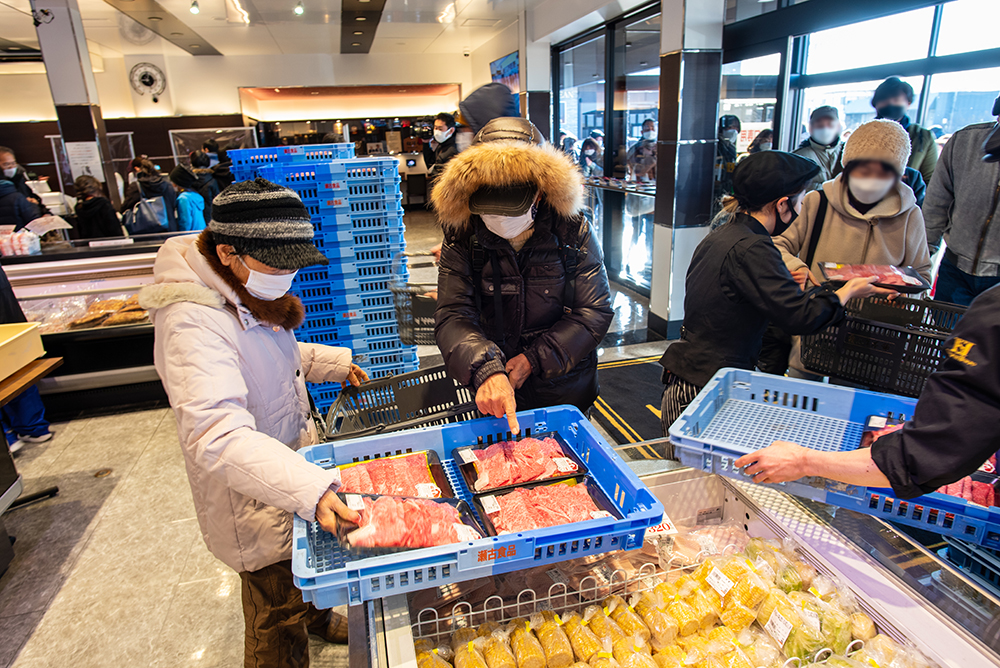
(415, 303)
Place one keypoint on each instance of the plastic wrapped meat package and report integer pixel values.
(400, 475)
(390, 522)
(517, 462)
(539, 507)
(59, 314)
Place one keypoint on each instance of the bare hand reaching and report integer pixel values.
(355, 377)
(805, 278)
(779, 462)
(496, 397)
(518, 371)
(858, 288)
(330, 510)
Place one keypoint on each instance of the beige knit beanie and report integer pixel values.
(882, 140)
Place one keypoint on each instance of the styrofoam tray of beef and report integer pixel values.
(508, 464)
(541, 505)
(415, 474)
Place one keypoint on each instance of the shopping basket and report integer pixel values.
(415, 304)
(415, 399)
(882, 345)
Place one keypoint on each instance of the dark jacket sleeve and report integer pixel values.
(429, 157)
(131, 197)
(753, 270)
(469, 355)
(556, 352)
(26, 211)
(107, 223)
(953, 429)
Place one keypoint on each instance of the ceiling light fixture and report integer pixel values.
(176, 34)
(195, 9)
(359, 32)
(195, 46)
(155, 18)
(277, 90)
(355, 43)
(299, 9)
(360, 18)
(448, 15)
(244, 16)
(314, 93)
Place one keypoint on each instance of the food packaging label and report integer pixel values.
(468, 456)
(778, 627)
(565, 465)
(664, 528)
(707, 544)
(599, 514)
(811, 619)
(354, 502)
(876, 422)
(490, 504)
(428, 490)
(707, 514)
(556, 576)
(719, 581)
(465, 532)
(764, 568)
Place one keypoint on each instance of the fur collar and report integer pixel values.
(161, 295)
(502, 163)
(286, 311)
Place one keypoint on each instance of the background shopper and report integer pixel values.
(15, 208)
(641, 157)
(523, 295)
(590, 158)
(737, 282)
(96, 217)
(190, 203)
(442, 148)
(208, 187)
(226, 353)
(870, 216)
(824, 145)
(961, 207)
(891, 100)
(15, 173)
(725, 160)
(764, 141)
(150, 184)
(220, 163)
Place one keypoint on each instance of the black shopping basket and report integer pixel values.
(416, 399)
(415, 305)
(883, 345)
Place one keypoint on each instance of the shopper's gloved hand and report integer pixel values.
(496, 397)
(518, 369)
(355, 377)
(331, 509)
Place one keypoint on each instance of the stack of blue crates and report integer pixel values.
(357, 214)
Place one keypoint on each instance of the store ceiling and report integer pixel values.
(287, 92)
(403, 26)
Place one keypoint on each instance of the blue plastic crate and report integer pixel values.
(739, 412)
(406, 357)
(331, 304)
(390, 202)
(372, 222)
(290, 154)
(328, 575)
(981, 563)
(362, 239)
(330, 330)
(334, 286)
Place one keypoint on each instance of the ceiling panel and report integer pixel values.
(389, 30)
(393, 45)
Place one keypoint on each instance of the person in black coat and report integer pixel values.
(15, 173)
(952, 433)
(439, 150)
(523, 296)
(737, 282)
(95, 215)
(15, 208)
(220, 163)
(207, 186)
(150, 184)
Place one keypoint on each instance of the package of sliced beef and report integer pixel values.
(507, 464)
(543, 505)
(900, 279)
(416, 474)
(390, 524)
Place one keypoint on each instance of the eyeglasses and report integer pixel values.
(8, 164)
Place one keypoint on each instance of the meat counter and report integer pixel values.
(912, 596)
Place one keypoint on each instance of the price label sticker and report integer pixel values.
(428, 490)
(763, 567)
(468, 455)
(876, 422)
(811, 619)
(719, 581)
(465, 532)
(565, 465)
(778, 627)
(598, 514)
(355, 502)
(664, 528)
(556, 576)
(490, 504)
(707, 544)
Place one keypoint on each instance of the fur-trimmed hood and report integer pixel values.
(504, 163)
(186, 270)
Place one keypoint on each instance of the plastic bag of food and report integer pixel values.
(429, 656)
(738, 659)
(555, 643)
(495, 648)
(602, 625)
(662, 627)
(469, 655)
(879, 651)
(737, 616)
(463, 636)
(705, 611)
(605, 657)
(748, 591)
(585, 643)
(669, 657)
(688, 621)
(666, 592)
(638, 656)
(691, 544)
(842, 662)
(723, 634)
(759, 647)
(862, 627)
(626, 617)
(907, 657)
(527, 650)
(836, 627)
(486, 629)
(823, 587)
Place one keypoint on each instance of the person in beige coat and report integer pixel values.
(235, 376)
(871, 216)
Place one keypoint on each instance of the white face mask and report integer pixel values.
(870, 190)
(764, 146)
(509, 227)
(730, 135)
(10, 172)
(441, 136)
(589, 151)
(649, 135)
(824, 136)
(267, 286)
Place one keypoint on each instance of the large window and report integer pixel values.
(890, 39)
(957, 99)
(581, 90)
(968, 25)
(749, 92)
(853, 101)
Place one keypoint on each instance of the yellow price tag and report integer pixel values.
(814, 592)
(558, 621)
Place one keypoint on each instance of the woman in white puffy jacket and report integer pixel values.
(235, 375)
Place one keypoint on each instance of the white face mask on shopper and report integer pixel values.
(509, 227)
(441, 136)
(10, 172)
(649, 135)
(870, 190)
(267, 286)
(730, 135)
(824, 136)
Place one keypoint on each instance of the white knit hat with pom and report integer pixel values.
(882, 140)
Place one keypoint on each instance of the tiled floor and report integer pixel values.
(113, 571)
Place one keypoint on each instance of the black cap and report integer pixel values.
(513, 200)
(890, 88)
(597, 134)
(761, 178)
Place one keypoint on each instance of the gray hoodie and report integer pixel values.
(961, 203)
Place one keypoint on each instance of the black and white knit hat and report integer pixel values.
(267, 222)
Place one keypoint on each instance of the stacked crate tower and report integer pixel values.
(357, 215)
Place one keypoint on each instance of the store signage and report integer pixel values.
(502, 552)
(85, 159)
(111, 242)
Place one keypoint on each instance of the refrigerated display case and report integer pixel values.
(913, 596)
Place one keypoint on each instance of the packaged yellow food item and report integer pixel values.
(496, 650)
(685, 585)
(667, 591)
(462, 636)
(602, 625)
(713, 661)
(626, 617)
(605, 657)
(687, 619)
(862, 627)
(429, 656)
(486, 629)
(669, 657)
(736, 616)
(580, 664)
(738, 659)
(555, 643)
(422, 645)
(662, 627)
(749, 591)
(527, 650)
(638, 656)
(880, 651)
(777, 600)
(469, 656)
(722, 633)
(704, 611)
(585, 643)
(806, 573)
(736, 567)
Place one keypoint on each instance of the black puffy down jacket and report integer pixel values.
(560, 344)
